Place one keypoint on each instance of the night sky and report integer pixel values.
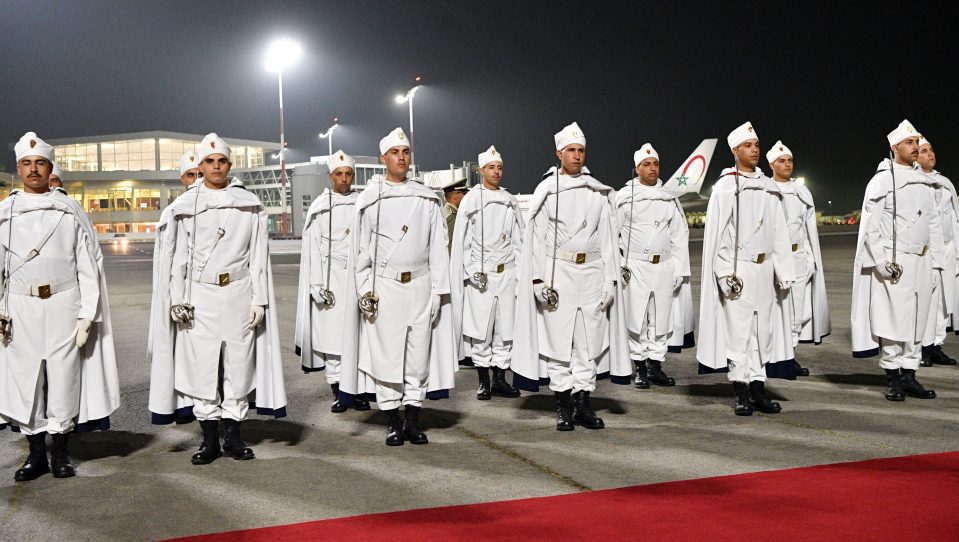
(828, 79)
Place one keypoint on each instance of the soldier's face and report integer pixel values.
(35, 172)
(55, 181)
(189, 177)
(455, 198)
(927, 157)
(492, 173)
(572, 156)
(648, 171)
(341, 179)
(397, 162)
(783, 166)
(215, 169)
(907, 150)
(747, 153)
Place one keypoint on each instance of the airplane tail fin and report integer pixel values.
(690, 176)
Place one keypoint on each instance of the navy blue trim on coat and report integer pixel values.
(622, 380)
(785, 369)
(865, 353)
(689, 341)
(436, 395)
(347, 399)
(308, 370)
(103, 424)
(276, 413)
(297, 350)
(704, 370)
(520, 382)
(181, 416)
(808, 341)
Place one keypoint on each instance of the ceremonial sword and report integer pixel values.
(370, 302)
(627, 274)
(894, 268)
(480, 276)
(326, 294)
(733, 281)
(550, 295)
(6, 320)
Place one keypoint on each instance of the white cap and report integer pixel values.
(187, 162)
(569, 135)
(396, 138)
(778, 150)
(31, 145)
(923, 140)
(644, 152)
(904, 130)
(212, 144)
(741, 134)
(491, 155)
(340, 159)
(57, 171)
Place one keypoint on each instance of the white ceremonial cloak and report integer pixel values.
(880, 308)
(529, 368)
(320, 328)
(944, 294)
(659, 227)
(820, 325)
(767, 301)
(171, 391)
(99, 386)
(503, 237)
(363, 364)
(952, 298)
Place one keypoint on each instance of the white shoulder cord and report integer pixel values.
(480, 276)
(549, 293)
(326, 295)
(627, 274)
(894, 268)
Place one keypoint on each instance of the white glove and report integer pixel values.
(315, 294)
(724, 287)
(677, 282)
(539, 290)
(784, 285)
(434, 308)
(883, 271)
(256, 315)
(609, 291)
(83, 331)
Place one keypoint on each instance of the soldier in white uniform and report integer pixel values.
(942, 312)
(215, 283)
(570, 322)
(654, 245)
(487, 244)
(57, 364)
(747, 269)
(900, 255)
(56, 179)
(324, 300)
(401, 270)
(808, 306)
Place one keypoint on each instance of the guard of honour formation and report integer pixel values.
(398, 288)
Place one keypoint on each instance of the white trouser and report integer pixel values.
(492, 351)
(578, 374)
(43, 419)
(220, 408)
(412, 391)
(752, 369)
(800, 312)
(944, 320)
(648, 343)
(331, 363)
(900, 355)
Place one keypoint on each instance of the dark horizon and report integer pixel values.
(829, 80)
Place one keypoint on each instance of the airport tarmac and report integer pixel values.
(136, 482)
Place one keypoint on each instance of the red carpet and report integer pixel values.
(903, 498)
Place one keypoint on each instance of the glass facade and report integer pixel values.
(130, 155)
(171, 150)
(246, 157)
(80, 157)
(142, 155)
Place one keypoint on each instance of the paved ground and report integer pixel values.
(136, 482)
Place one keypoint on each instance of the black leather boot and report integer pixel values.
(483, 392)
(926, 360)
(500, 387)
(912, 387)
(411, 426)
(741, 392)
(564, 411)
(60, 456)
(36, 464)
(656, 374)
(800, 370)
(360, 404)
(233, 445)
(583, 411)
(394, 427)
(894, 385)
(336, 407)
(642, 377)
(941, 358)
(760, 401)
(210, 449)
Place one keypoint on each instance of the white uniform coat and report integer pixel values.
(945, 291)
(319, 328)
(880, 308)
(82, 382)
(412, 237)
(807, 259)
(587, 224)
(659, 228)
(501, 233)
(185, 360)
(762, 229)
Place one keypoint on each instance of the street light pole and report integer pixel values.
(280, 54)
(328, 134)
(279, 74)
(408, 97)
